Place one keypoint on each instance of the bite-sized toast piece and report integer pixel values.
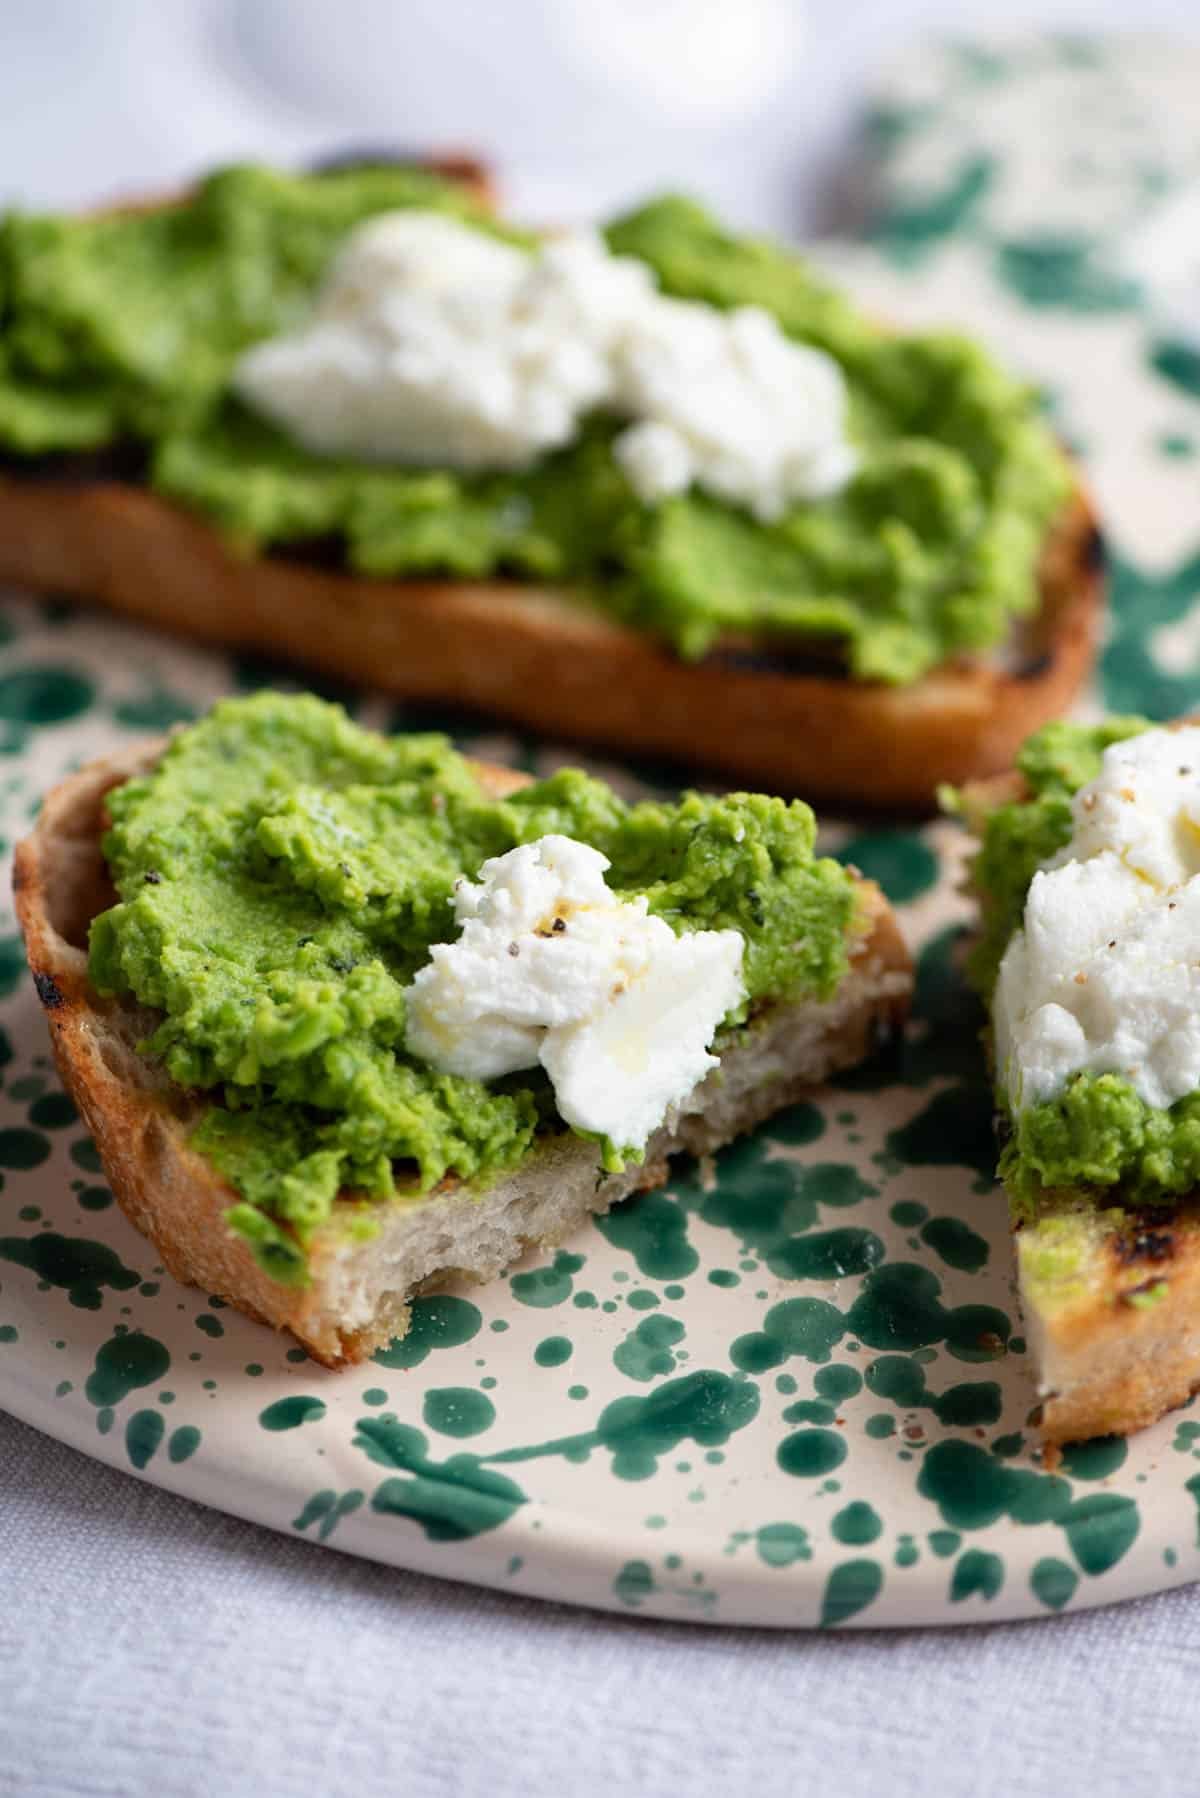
(359, 1292)
(1110, 1294)
(1111, 1300)
(545, 660)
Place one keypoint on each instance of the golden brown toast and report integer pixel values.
(544, 660)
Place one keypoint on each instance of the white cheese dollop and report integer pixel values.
(552, 968)
(730, 403)
(1105, 975)
(433, 344)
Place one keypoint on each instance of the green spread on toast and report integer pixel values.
(1059, 1256)
(1100, 1133)
(282, 874)
(124, 327)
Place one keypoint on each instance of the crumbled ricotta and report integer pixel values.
(433, 344)
(1105, 975)
(731, 403)
(551, 968)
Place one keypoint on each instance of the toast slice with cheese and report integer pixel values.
(776, 710)
(357, 1293)
(1108, 1277)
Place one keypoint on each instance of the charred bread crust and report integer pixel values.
(141, 1121)
(544, 660)
(1114, 1364)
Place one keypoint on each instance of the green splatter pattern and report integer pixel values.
(785, 1386)
(796, 1354)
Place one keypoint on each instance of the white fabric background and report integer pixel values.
(133, 95)
(150, 1646)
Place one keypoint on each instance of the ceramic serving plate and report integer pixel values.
(789, 1389)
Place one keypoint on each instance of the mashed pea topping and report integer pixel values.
(282, 875)
(1101, 1133)
(125, 327)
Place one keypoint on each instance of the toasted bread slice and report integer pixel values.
(1110, 1294)
(780, 715)
(546, 660)
(358, 1297)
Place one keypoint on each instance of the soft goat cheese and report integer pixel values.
(433, 344)
(1105, 975)
(552, 968)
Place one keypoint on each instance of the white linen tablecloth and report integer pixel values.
(148, 1645)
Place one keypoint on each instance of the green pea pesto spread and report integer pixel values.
(1098, 1134)
(282, 874)
(125, 328)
